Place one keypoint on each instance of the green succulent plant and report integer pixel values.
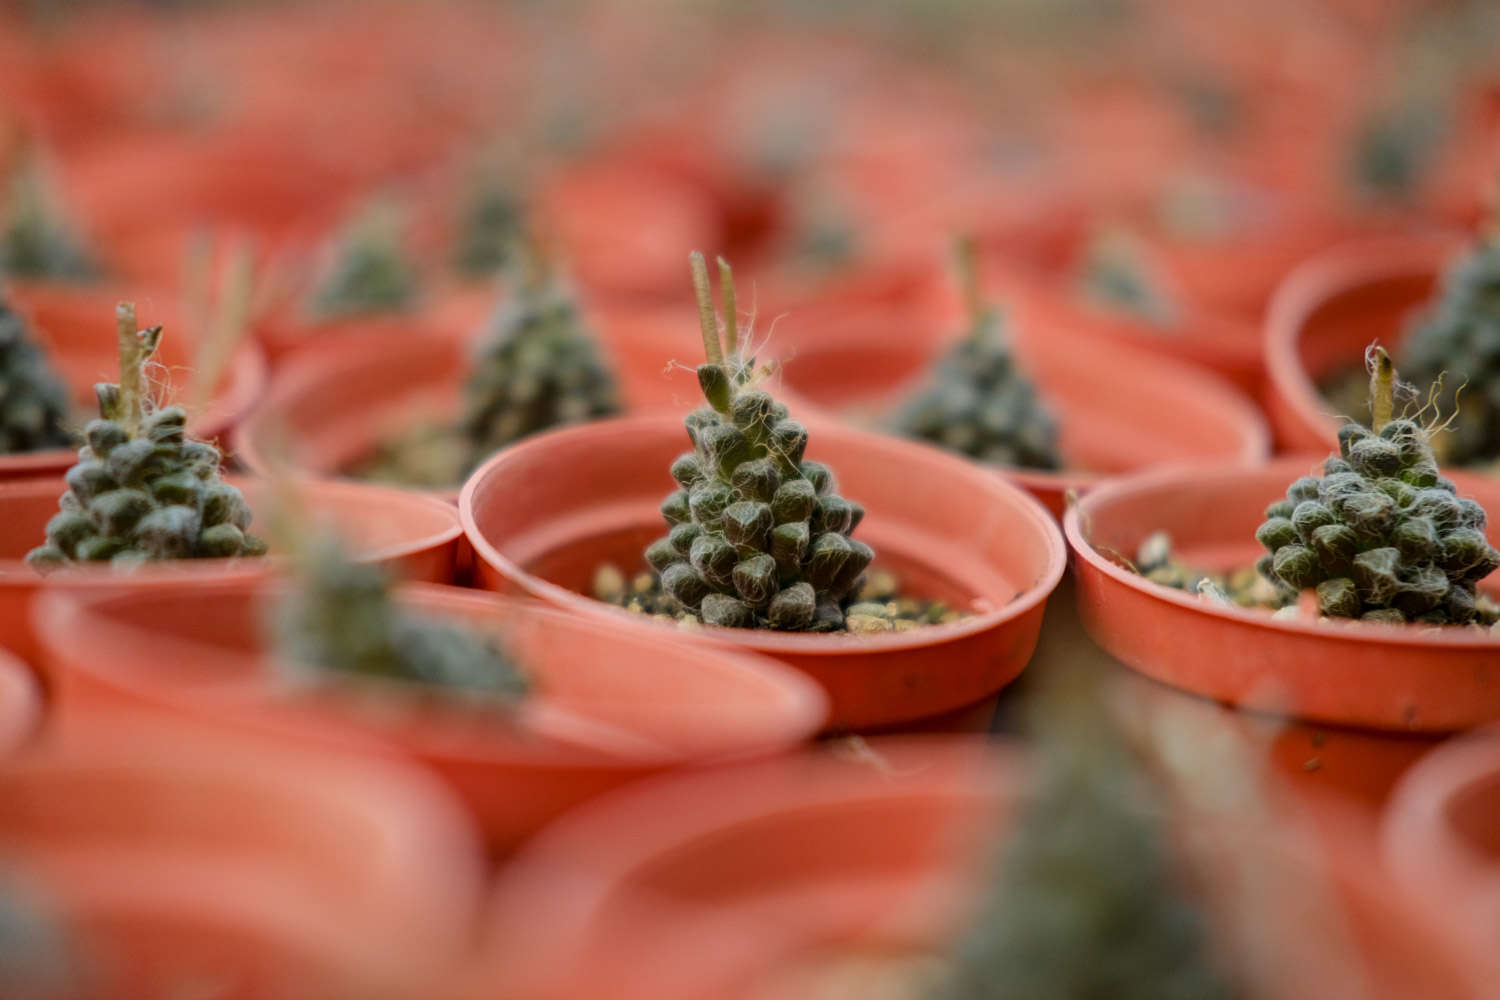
(1381, 535)
(979, 402)
(491, 227)
(340, 616)
(35, 240)
(1115, 274)
(1086, 898)
(142, 489)
(33, 399)
(1453, 351)
(371, 272)
(538, 367)
(759, 536)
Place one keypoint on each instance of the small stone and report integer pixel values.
(906, 624)
(609, 584)
(1155, 551)
(868, 624)
(880, 585)
(872, 609)
(643, 583)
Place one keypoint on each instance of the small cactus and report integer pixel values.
(1457, 342)
(370, 271)
(142, 489)
(33, 399)
(35, 240)
(1086, 899)
(1115, 274)
(1381, 535)
(340, 617)
(759, 537)
(491, 228)
(979, 403)
(537, 368)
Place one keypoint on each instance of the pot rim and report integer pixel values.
(1176, 477)
(765, 640)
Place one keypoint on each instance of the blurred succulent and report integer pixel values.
(35, 240)
(370, 271)
(340, 617)
(1381, 535)
(1456, 345)
(1115, 274)
(1394, 148)
(1086, 898)
(142, 490)
(759, 536)
(491, 226)
(978, 402)
(538, 367)
(33, 399)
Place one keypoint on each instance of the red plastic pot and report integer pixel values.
(768, 881)
(1325, 314)
(1384, 691)
(609, 705)
(20, 703)
(417, 537)
(174, 857)
(544, 514)
(1119, 410)
(335, 405)
(75, 326)
(1442, 834)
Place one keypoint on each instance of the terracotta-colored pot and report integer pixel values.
(419, 538)
(75, 326)
(1325, 314)
(174, 857)
(609, 705)
(1371, 698)
(544, 515)
(334, 406)
(1118, 409)
(20, 703)
(1442, 834)
(806, 877)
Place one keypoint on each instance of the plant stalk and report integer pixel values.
(707, 321)
(1382, 388)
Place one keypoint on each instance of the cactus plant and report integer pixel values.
(33, 399)
(491, 226)
(340, 616)
(35, 241)
(1115, 274)
(759, 537)
(1456, 343)
(370, 272)
(537, 368)
(1086, 897)
(1381, 535)
(142, 489)
(979, 403)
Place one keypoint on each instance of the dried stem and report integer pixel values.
(134, 347)
(731, 309)
(706, 318)
(1382, 387)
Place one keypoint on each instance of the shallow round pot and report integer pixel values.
(172, 855)
(1119, 409)
(1400, 679)
(794, 877)
(417, 537)
(76, 328)
(607, 706)
(545, 514)
(1324, 315)
(332, 407)
(1441, 834)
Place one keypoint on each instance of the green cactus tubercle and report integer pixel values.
(142, 489)
(758, 536)
(1381, 535)
(341, 617)
(33, 399)
(979, 402)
